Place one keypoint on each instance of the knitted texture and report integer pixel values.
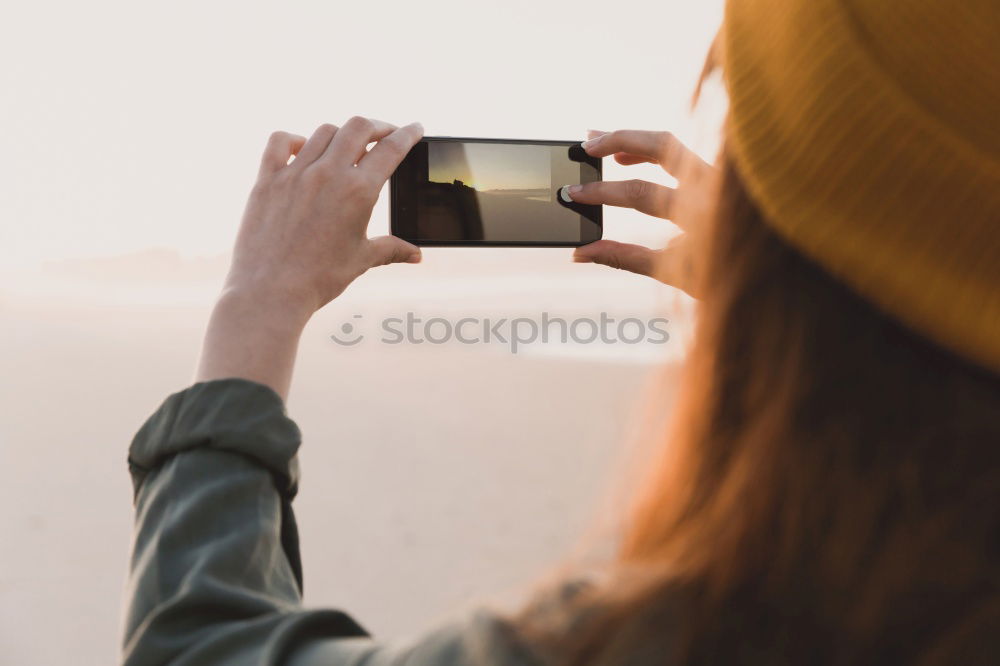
(868, 132)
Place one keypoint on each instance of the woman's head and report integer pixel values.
(828, 490)
(866, 132)
(829, 473)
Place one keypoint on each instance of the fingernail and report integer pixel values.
(566, 192)
(593, 134)
(419, 126)
(414, 258)
(580, 259)
(590, 143)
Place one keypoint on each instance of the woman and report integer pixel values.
(828, 490)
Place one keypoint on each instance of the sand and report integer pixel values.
(435, 478)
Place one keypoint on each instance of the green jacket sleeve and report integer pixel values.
(215, 575)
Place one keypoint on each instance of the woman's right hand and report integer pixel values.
(687, 205)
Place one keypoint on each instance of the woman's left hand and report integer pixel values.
(304, 233)
(303, 240)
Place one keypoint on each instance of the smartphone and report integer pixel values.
(493, 192)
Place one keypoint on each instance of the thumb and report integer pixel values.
(392, 250)
(628, 257)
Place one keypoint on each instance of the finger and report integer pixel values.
(316, 144)
(392, 250)
(637, 142)
(672, 265)
(383, 130)
(280, 148)
(625, 159)
(641, 195)
(353, 138)
(624, 256)
(383, 159)
(622, 158)
(628, 159)
(675, 265)
(662, 148)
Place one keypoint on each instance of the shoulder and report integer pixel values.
(481, 639)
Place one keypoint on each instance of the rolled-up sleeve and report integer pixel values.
(215, 571)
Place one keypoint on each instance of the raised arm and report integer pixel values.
(215, 574)
(302, 241)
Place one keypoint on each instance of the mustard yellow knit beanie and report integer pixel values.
(868, 132)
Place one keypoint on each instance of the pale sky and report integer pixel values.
(490, 166)
(134, 125)
(131, 136)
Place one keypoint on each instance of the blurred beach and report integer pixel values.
(435, 477)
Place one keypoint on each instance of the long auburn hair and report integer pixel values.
(828, 492)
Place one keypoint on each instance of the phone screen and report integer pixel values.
(450, 191)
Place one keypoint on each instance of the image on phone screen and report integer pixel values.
(452, 191)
